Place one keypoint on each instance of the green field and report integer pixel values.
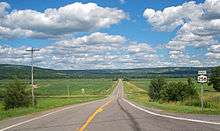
(137, 91)
(55, 93)
(60, 87)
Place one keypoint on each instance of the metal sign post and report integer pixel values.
(202, 100)
(202, 78)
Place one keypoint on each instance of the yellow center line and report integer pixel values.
(91, 117)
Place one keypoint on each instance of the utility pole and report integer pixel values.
(32, 50)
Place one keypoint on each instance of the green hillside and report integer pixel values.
(8, 71)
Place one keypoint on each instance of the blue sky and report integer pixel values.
(154, 29)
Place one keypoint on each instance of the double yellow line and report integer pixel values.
(91, 117)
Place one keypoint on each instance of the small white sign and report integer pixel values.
(202, 79)
(202, 72)
(83, 91)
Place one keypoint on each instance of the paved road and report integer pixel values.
(111, 114)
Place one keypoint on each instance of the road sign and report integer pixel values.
(83, 91)
(202, 79)
(202, 72)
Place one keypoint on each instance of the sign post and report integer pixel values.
(202, 78)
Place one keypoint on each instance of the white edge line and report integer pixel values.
(171, 117)
(39, 117)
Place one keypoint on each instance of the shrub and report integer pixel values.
(191, 89)
(178, 91)
(173, 91)
(215, 78)
(16, 95)
(155, 88)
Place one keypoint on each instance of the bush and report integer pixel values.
(16, 95)
(179, 91)
(215, 78)
(172, 91)
(191, 89)
(155, 87)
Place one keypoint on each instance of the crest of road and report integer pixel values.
(114, 113)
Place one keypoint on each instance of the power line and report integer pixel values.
(32, 50)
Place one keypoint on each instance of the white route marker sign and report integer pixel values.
(202, 79)
(203, 72)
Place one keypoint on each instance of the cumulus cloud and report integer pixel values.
(214, 52)
(172, 17)
(97, 50)
(198, 25)
(3, 7)
(75, 17)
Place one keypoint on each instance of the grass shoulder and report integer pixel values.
(140, 96)
(44, 104)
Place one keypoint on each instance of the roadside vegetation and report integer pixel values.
(16, 95)
(50, 93)
(159, 89)
(173, 94)
(215, 78)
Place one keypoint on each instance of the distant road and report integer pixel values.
(110, 114)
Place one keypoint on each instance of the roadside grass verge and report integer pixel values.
(140, 96)
(44, 104)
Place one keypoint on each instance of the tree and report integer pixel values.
(156, 85)
(215, 78)
(16, 95)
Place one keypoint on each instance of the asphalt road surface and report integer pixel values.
(110, 114)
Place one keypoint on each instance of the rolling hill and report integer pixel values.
(8, 71)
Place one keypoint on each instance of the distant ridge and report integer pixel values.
(7, 71)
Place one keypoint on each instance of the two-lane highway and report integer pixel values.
(113, 113)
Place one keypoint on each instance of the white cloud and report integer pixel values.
(75, 17)
(3, 7)
(214, 52)
(215, 49)
(172, 17)
(140, 47)
(97, 50)
(198, 25)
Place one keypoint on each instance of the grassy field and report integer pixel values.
(60, 87)
(137, 91)
(55, 92)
